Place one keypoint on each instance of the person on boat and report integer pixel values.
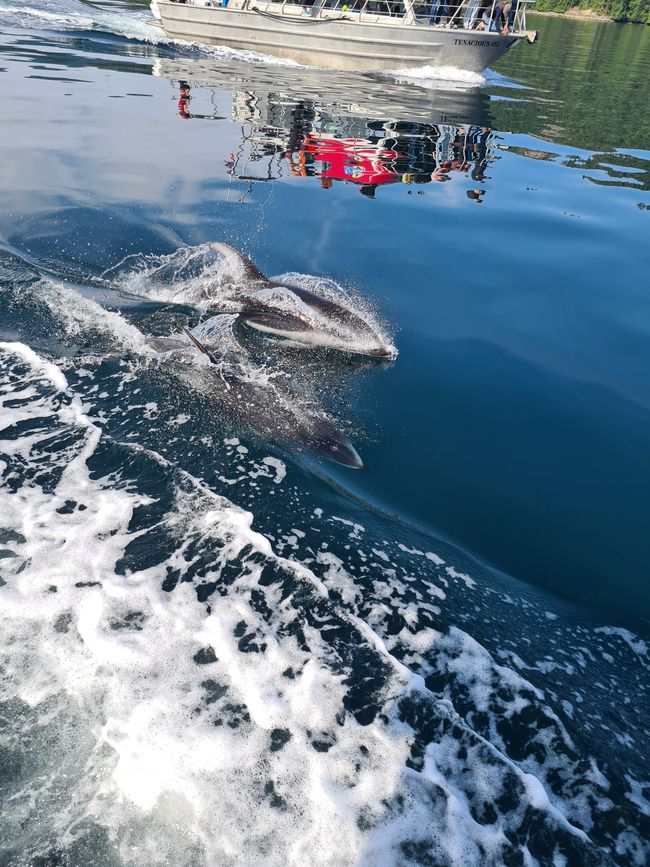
(482, 8)
(511, 18)
(386, 7)
(445, 12)
(471, 14)
(453, 12)
(493, 18)
(437, 11)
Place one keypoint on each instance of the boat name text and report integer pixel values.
(477, 42)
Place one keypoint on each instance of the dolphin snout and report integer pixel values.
(344, 453)
(350, 457)
(331, 444)
(387, 353)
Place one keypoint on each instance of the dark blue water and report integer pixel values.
(220, 647)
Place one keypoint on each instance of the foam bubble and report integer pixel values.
(635, 643)
(278, 466)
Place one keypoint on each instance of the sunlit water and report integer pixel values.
(218, 647)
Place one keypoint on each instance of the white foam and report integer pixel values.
(637, 794)
(77, 315)
(635, 643)
(173, 769)
(470, 583)
(75, 16)
(357, 529)
(51, 371)
(279, 467)
(431, 76)
(142, 698)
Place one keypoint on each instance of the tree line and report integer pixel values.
(617, 10)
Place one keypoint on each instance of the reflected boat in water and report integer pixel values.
(367, 130)
(306, 125)
(303, 141)
(345, 95)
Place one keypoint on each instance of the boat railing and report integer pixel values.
(492, 16)
(489, 15)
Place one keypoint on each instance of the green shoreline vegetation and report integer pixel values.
(598, 110)
(637, 11)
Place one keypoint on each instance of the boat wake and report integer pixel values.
(176, 660)
(74, 15)
(430, 77)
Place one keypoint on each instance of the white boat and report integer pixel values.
(358, 35)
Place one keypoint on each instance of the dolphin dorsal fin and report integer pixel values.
(234, 257)
(201, 347)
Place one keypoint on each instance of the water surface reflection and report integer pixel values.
(401, 134)
(304, 125)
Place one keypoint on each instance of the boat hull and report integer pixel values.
(334, 44)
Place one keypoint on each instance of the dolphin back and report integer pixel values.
(336, 312)
(263, 314)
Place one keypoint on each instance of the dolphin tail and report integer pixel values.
(201, 347)
(238, 260)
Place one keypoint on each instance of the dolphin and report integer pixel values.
(264, 408)
(262, 315)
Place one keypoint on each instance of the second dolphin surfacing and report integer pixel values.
(316, 321)
(265, 410)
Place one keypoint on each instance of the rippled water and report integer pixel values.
(218, 645)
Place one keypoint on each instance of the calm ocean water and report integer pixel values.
(217, 646)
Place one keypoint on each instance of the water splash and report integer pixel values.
(431, 77)
(198, 277)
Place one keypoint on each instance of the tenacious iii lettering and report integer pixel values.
(477, 42)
